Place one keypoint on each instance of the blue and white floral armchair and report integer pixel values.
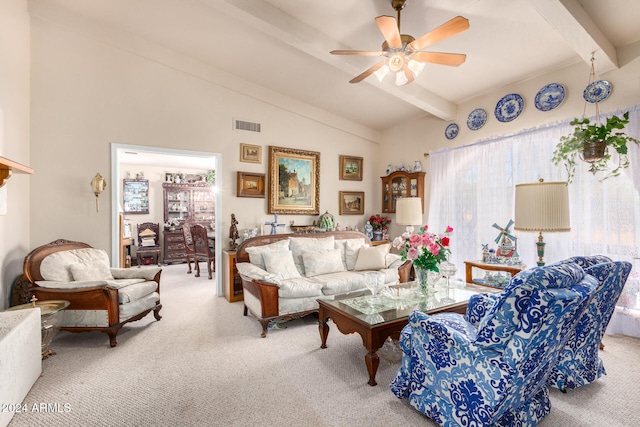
(579, 363)
(490, 367)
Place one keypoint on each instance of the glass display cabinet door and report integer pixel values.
(203, 204)
(386, 203)
(398, 189)
(177, 205)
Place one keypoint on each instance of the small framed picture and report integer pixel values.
(352, 203)
(250, 153)
(351, 168)
(251, 185)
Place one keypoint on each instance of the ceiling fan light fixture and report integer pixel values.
(416, 67)
(401, 78)
(381, 72)
(396, 62)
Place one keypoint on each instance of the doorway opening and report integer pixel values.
(124, 158)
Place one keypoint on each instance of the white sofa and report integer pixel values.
(284, 275)
(101, 298)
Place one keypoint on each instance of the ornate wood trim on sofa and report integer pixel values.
(267, 293)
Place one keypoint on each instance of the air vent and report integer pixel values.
(249, 126)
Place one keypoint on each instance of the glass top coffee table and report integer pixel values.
(377, 318)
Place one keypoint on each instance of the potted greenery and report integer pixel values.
(595, 143)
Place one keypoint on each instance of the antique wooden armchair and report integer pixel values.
(148, 231)
(203, 252)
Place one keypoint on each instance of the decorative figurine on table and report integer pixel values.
(368, 230)
(233, 233)
(274, 224)
(485, 253)
(417, 167)
(505, 240)
(326, 221)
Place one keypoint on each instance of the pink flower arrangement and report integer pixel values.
(426, 250)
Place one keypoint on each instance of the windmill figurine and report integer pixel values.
(506, 241)
(274, 224)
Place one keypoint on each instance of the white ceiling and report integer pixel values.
(284, 45)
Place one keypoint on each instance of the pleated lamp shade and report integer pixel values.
(409, 211)
(542, 206)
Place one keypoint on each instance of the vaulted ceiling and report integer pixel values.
(284, 45)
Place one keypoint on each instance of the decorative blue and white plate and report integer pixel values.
(477, 118)
(451, 131)
(550, 97)
(597, 91)
(509, 107)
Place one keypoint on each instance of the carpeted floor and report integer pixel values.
(204, 364)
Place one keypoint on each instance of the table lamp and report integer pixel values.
(409, 212)
(542, 206)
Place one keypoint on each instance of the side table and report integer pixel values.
(469, 265)
(232, 282)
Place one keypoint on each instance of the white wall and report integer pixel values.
(14, 140)
(427, 134)
(87, 94)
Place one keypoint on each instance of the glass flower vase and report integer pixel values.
(426, 280)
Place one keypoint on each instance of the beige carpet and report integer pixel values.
(204, 364)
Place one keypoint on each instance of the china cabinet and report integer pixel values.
(185, 202)
(401, 184)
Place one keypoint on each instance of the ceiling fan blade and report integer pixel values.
(389, 29)
(446, 30)
(451, 59)
(408, 74)
(367, 73)
(358, 52)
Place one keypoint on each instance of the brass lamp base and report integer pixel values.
(540, 245)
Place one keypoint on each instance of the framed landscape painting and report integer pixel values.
(250, 153)
(250, 185)
(294, 181)
(352, 203)
(351, 168)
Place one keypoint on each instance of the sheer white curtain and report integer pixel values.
(472, 187)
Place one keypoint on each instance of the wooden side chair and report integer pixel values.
(148, 241)
(203, 252)
(189, 249)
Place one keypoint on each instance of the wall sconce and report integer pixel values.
(98, 184)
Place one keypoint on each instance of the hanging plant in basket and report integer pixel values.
(595, 143)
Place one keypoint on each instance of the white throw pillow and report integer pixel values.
(281, 264)
(352, 249)
(372, 258)
(299, 245)
(255, 252)
(90, 272)
(322, 262)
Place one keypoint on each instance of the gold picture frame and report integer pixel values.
(250, 153)
(294, 181)
(351, 168)
(250, 185)
(352, 203)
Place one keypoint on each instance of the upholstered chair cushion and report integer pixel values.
(281, 264)
(56, 266)
(300, 245)
(255, 252)
(322, 262)
(372, 258)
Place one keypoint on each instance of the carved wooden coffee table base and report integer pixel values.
(373, 336)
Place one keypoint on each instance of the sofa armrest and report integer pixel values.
(147, 273)
(92, 298)
(266, 293)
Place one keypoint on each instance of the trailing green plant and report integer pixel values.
(586, 132)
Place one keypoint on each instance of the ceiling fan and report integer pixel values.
(403, 53)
